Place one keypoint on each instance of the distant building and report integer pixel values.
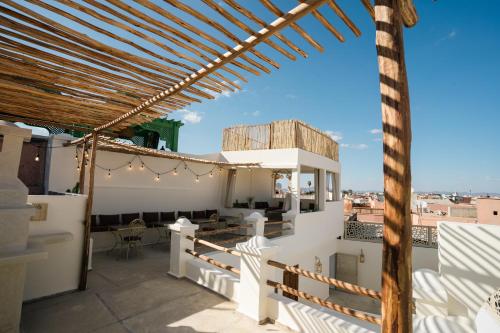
(488, 210)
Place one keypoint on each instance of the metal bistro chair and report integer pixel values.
(132, 236)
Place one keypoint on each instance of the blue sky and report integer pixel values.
(453, 62)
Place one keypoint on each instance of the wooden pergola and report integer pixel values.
(56, 71)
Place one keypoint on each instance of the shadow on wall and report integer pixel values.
(469, 263)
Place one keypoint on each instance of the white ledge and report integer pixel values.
(51, 237)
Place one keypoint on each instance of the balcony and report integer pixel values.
(279, 135)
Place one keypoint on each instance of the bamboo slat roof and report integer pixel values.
(89, 63)
(107, 144)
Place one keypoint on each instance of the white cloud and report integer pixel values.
(337, 136)
(191, 117)
(449, 36)
(291, 96)
(357, 146)
(377, 140)
(256, 113)
(225, 93)
(376, 131)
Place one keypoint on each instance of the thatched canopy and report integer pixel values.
(84, 64)
(107, 144)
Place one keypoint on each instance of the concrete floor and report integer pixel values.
(137, 296)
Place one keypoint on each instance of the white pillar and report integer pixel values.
(295, 190)
(254, 273)
(258, 223)
(179, 244)
(15, 214)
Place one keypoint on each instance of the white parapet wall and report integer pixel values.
(469, 264)
(370, 271)
(61, 235)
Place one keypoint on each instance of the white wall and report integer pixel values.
(257, 183)
(61, 271)
(469, 264)
(370, 272)
(315, 234)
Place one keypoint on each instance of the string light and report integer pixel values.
(142, 165)
(78, 167)
(86, 162)
(157, 177)
(109, 173)
(211, 174)
(130, 165)
(76, 154)
(175, 172)
(86, 152)
(197, 179)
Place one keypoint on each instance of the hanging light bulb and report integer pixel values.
(157, 178)
(78, 167)
(210, 174)
(37, 157)
(130, 165)
(76, 154)
(185, 166)
(197, 179)
(86, 152)
(142, 165)
(109, 172)
(175, 172)
(86, 162)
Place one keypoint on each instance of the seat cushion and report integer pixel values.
(150, 217)
(167, 216)
(127, 218)
(132, 238)
(106, 220)
(210, 212)
(199, 214)
(186, 214)
(261, 205)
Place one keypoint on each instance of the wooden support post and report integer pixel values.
(88, 214)
(82, 169)
(397, 246)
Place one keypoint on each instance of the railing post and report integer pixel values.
(258, 223)
(179, 244)
(254, 273)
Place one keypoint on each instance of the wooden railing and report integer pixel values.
(423, 236)
(355, 289)
(278, 135)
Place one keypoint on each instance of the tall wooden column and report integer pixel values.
(88, 214)
(82, 168)
(397, 244)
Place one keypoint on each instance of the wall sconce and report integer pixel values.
(318, 266)
(362, 257)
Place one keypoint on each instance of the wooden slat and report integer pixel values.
(212, 4)
(340, 13)
(214, 262)
(333, 282)
(274, 9)
(187, 9)
(369, 8)
(280, 23)
(327, 24)
(330, 305)
(242, 10)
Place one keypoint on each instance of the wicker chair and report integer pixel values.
(132, 238)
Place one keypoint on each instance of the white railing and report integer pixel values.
(423, 236)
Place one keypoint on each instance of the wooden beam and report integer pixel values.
(289, 18)
(82, 168)
(88, 214)
(397, 245)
